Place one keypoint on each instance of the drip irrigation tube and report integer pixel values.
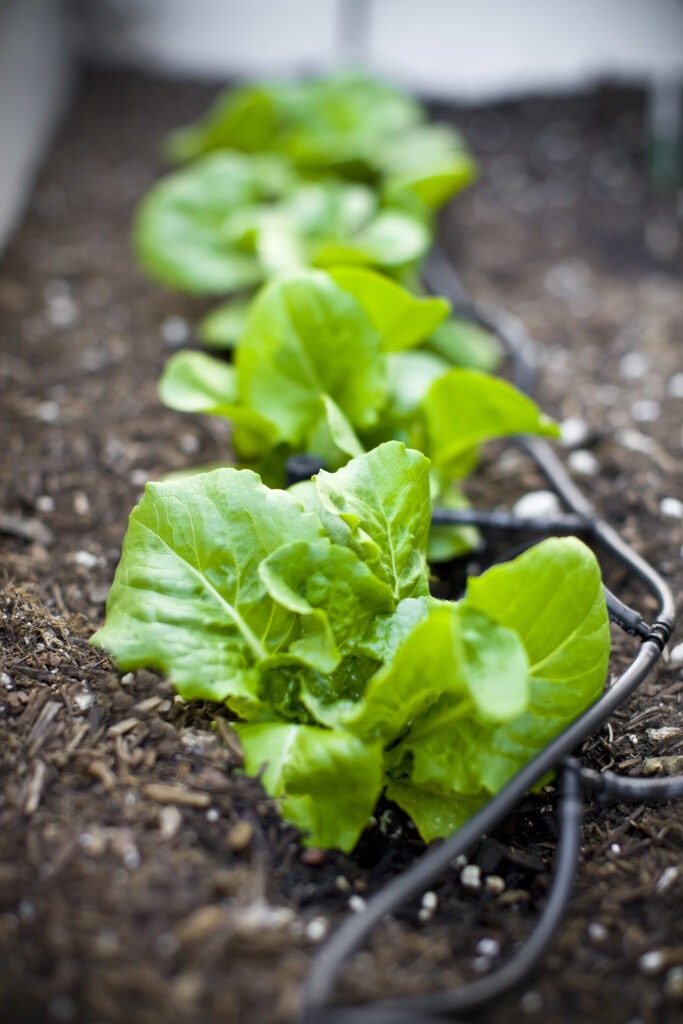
(575, 780)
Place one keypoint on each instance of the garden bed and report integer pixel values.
(139, 880)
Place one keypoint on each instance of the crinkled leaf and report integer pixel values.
(307, 338)
(378, 504)
(464, 408)
(327, 781)
(187, 597)
(456, 662)
(332, 589)
(401, 318)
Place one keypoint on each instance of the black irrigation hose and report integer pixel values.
(423, 1009)
(574, 778)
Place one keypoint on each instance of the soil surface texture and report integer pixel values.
(143, 880)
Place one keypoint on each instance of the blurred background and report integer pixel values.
(442, 49)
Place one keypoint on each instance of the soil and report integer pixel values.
(143, 879)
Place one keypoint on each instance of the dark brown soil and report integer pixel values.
(141, 878)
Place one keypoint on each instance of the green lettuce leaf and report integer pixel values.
(465, 408)
(402, 319)
(306, 339)
(327, 781)
(466, 344)
(223, 326)
(378, 505)
(195, 382)
(187, 597)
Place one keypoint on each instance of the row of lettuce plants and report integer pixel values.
(308, 611)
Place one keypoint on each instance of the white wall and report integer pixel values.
(468, 49)
(36, 78)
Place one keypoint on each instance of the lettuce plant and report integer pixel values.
(343, 124)
(334, 364)
(231, 221)
(309, 615)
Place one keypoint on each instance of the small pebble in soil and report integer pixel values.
(312, 856)
(170, 821)
(84, 700)
(488, 947)
(128, 679)
(676, 655)
(574, 431)
(645, 410)
(175, 331)
(212, 814)
(470, 877)
(49, 412)
(537, 503)
(494, 884)
(673, 985)
(634, 441)
(583, 462)
(189, 444)
(61, 310)
(45, 503)
(667, 878)
(676, 385)
(634, 365)
(652, 962)
(357, 904)
(6, 681)
(615, 848)
(138, 477)
(342, 884)
(317, 929)
(430, 902)
(239, 836)
(85, 559)
(531, 1002)
(597, 933)
(672, 508)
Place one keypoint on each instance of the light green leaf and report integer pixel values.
(332, 589)
(342, 433)
(466, 344)
(411, 374)
(447, 542)
(428, 162)
(378, 504)
(327, 781)
(401, 318)
(178, 232)
(552, 598)
(241, 119)
(187, 597)
(223, 326)
(388, 632)
(195, 382)
(306, 338)
(464, 408)
(456, 663)
(392, 239)
(436, 813)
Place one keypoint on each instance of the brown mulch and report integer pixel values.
(142, 877)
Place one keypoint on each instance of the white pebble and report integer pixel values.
(635, 441)
(45, 503)
(615, 848)
(597, 932)
(175, 331)
(584, 462)
(537, 503)
(676, 385)
(667, 878)
(357, 904)
(170, 821)
(634, 365)
(488, 947)
(342, 884)
(494, 884)
(85, 559)
(212, 814)
(62, 311)
(317, 929)
(138, 477)
(652, 962)
(671, 507)
(430, 901)
(645, 410)
(574, 431)
(676, 654)
(49, 412)
(470, 876)
(84, 699)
